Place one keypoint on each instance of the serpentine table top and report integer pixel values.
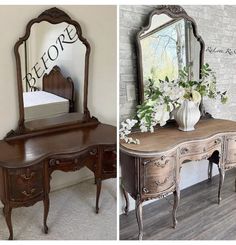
(26, 152)
(169, 137)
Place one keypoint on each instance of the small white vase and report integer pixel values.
(187, 115)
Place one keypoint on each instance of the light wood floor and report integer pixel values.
(199, 216)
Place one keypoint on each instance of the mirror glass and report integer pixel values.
(46, 94)
(167, 46)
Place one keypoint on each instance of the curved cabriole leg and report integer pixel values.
(222, 175)
(210, 166)
(99, 185)
(126, 209)
(7, 213)
(138, 210)
(176, 194)
(46, 210)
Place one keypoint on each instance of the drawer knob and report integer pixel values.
(27, 176)
(93, 152)
(53, 162)
(145, 190)
(184, 151)
(160, 164)
(28, 193)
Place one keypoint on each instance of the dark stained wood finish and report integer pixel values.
(26, 164)
(57, 84)
(29, 154)
(55, 124)
(200, 218)
(152, 169)
(25, 183)
(109, 162)
(53, 16)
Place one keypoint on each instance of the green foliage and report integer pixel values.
(205, 86)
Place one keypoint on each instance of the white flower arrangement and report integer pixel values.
(164, 96)
(125, 130)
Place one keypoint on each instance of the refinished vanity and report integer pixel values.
(55, 129)
(151, 169)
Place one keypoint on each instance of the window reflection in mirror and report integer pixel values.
(51, 45)
(167, 46)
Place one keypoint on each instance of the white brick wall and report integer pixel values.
(217, 26)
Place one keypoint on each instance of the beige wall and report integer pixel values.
(98, 25)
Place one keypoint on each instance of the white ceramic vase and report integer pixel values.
(187, 115)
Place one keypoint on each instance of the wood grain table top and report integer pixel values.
(25, 152)
(166, 138)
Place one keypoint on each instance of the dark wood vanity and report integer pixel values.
(65, 142)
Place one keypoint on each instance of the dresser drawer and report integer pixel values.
(25, 183)
(200, 147)
(109, 161)
(158, 174)
(73, 162)
(231, 152)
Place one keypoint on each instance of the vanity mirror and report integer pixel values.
(167, 44)
(52, 61)
(55, 131)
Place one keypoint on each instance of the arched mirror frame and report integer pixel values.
(53, 16)
(175, 12)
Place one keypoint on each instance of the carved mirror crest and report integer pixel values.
(167, 44)
(52, 61)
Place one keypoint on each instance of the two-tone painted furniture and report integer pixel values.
(151, 169)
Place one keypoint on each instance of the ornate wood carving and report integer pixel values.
(174, 9)
(54, 13)
(175, 12)
(184, 151)
(214, 140)
(158, 182)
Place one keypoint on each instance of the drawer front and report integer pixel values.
(200, 147)
(109, 161)
(25, 183)
(231, 152)
(73, 162)
(158, 174)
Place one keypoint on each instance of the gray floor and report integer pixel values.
(199, 215)
(71, 215)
